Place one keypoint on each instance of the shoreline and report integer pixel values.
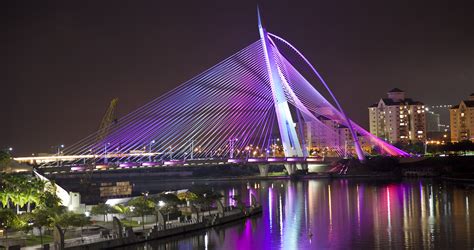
(139, 236)
(311, 176)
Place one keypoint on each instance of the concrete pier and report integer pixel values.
(263, 168)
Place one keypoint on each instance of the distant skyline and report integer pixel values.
(65, 61)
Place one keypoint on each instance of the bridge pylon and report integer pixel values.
(290, 141)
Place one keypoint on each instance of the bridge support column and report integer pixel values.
(302, 166)
(290, 168)
(263, 168)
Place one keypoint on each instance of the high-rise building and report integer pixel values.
(461, 118)
(398, 119)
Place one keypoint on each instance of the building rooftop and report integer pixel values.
(374, 105)
(390, 102)
(468, 103)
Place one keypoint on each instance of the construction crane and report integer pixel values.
(107, 120)
(104, 128)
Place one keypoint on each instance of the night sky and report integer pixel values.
(63, 61)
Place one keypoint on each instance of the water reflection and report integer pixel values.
(341, 214)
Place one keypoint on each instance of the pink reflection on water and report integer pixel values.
(335, 214)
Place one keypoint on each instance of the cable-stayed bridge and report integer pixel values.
(254, 106)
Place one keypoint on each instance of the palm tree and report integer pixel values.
(7, 184)
(21, 191)
(5, 197)
(122, 209)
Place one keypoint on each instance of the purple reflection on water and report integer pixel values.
(345, 214)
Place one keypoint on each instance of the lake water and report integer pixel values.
(340, 214)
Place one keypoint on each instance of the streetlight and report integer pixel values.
(9, 150)
(232, 142)
(149, 150)
(145, 197)
(275, 145)
(105, 153)
(59, 151)
(90, 153)
(171, 153)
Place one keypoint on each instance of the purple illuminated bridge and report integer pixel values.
(255, 104)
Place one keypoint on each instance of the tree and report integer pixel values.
(49, 200)
(102, 209)
(207, 198)
(5, 195)
(8, 220)
(13, 187)
(19, 197)
(142, 206)
(187, 196)
(24, 222)
(42, 218)
(21, 190)
(78, 220)
(69, 219)
(122, 209)
(34, 191)
(5, 157)
(168, 202)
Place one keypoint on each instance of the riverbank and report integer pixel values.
(120, 237)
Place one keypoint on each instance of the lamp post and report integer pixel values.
(149, 150)
(59, 151)
(90, 153)
(145, 197)
(248, 152)
(171, 153)
(106, 161)
(231, 147)
(275, 145)
(9, 150)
